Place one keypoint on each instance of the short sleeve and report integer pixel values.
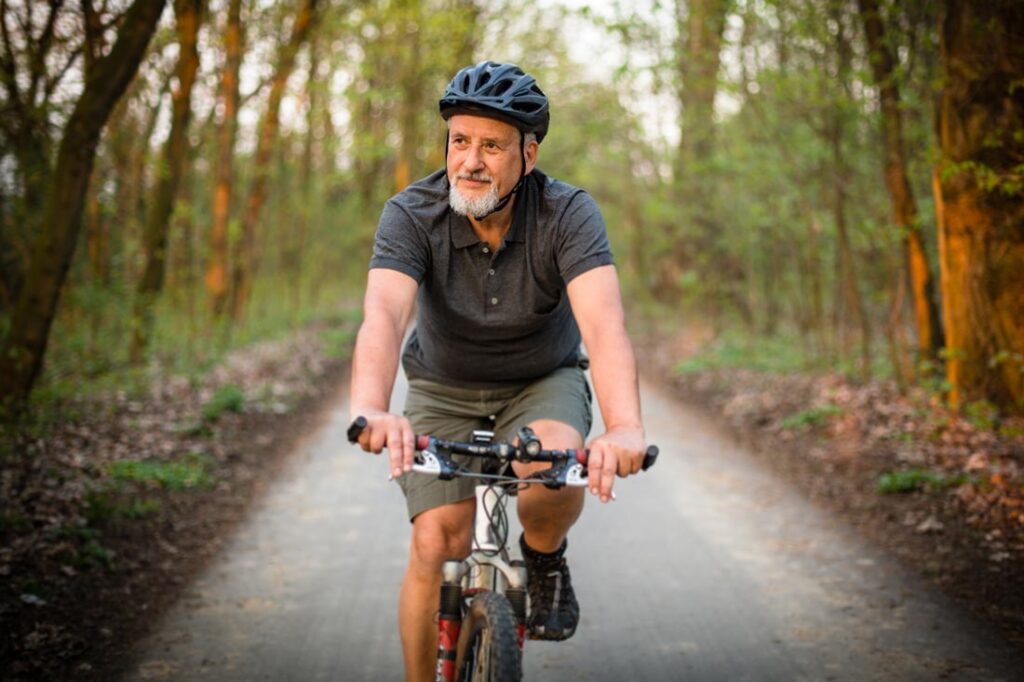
(400, 244)
(584, 242)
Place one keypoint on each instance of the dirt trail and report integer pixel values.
(709, 568)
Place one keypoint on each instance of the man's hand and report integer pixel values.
(617, 451)
(386, 430)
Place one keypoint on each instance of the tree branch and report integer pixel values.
(37, 60)
(93, 36)
(52, 83)
(8, 65)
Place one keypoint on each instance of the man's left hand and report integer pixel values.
(617, 451)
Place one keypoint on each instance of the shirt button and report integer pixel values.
(491, 271)
(494, 301)
(487, 249)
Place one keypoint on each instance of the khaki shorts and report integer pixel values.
(454, 413)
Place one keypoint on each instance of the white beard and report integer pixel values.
(473, 207)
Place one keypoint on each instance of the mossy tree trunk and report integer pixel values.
(980, 193)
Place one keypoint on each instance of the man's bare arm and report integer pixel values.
(387, 309)
(597, 306)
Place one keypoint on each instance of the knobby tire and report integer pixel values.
(487, 649)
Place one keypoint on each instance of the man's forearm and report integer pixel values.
(374, 364)
(613, 370)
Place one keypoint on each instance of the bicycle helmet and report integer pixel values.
(501, 91)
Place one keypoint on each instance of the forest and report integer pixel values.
(843, 177)
(816, 209)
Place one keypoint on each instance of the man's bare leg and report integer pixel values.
(547, 515)
(437, 535)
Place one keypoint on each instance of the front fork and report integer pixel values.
(517, 597)
(449, 621)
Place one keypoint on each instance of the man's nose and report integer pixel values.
(474, 159)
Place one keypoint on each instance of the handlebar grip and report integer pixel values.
(356, 428)
(650, 458)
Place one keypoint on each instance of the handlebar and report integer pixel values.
(437, 460)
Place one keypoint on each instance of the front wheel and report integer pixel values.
(487, 649)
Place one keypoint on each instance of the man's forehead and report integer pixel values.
(481, 126)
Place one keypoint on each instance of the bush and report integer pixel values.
(227, 399)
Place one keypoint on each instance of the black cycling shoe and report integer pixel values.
(554, 612)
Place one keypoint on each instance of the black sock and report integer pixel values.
(534, 554)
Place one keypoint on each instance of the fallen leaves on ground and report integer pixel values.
(108, 491)
(943, 491)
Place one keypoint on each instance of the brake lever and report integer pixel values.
(437, 461)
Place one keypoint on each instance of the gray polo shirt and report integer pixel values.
(489, 319)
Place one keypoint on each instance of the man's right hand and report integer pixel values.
(386, 430)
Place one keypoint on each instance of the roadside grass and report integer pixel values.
(82, 548)
(738, 351)
(88, 352)
(812, 417)
(229, 398)
(786, 352)
(192, 471)
(913, 480)
(119, 493)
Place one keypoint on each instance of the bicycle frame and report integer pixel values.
(488, 567)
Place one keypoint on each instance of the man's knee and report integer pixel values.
(553, 435)
(556, 435)
(441, 534)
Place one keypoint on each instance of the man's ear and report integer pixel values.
(530, 151)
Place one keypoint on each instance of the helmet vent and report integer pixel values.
(503, 91)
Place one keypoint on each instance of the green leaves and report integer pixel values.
(228, 398)
(192, 471)
(814, 416)
(914, 480)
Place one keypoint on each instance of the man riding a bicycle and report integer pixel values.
(507, 270)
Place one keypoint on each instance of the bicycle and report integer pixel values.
(483, 602)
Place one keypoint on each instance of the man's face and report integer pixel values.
(483, 161)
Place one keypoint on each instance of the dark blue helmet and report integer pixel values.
(501, 91)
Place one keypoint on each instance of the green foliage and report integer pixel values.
(913, 480)
(13, 522)
(812, 417)
(981, 414)
(84, 549)
(114, 501)
(89, 555)
(988, 179)
(337, 342)
(116, 494)
(192, 471)
(229, 398)
(734, 351)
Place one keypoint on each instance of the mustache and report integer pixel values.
(478, 177)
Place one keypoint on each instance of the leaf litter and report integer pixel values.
(107, 511)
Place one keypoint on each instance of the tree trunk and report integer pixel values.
(97, 239)
(297, 247)
(904, 207)
(21, 356)
(413, 84)
(849, 289)
(217, 266)
(188, 14)
(245, 255)
(700, 30)
(699, 61)
(981, 200)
